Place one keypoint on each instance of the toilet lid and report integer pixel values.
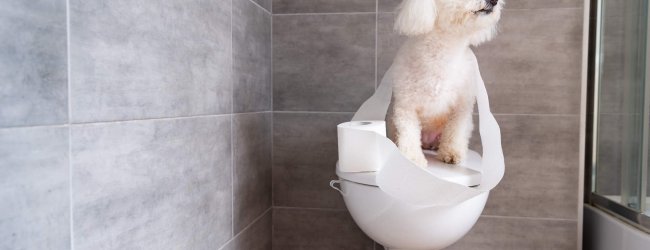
(466, 173)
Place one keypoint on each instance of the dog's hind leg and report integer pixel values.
(407, 134)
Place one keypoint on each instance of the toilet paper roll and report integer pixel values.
(358, 151)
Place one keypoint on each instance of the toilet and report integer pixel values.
(398, 225)
(405, 207)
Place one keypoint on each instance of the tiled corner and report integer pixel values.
(295, 229)
(304, 159)
(388, 43)
(266, 4)
(255, 237)
(323, 62)
(155, 184)
(252, 167)
(252, 72)
(503, 233)
(542, 158)
(33, 64)
(535, 68)
(151, 59)
(34, 188)
(322, 6)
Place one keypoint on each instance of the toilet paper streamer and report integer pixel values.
(398, 176)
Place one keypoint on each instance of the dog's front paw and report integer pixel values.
(419, 161)
(450, 156)
(415, 155)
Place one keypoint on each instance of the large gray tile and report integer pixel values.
(252, 72)
(317, 230)
(156, 184)
(34, 188)
(255, 237)
(535, 68)
(387, 5)
(323, 62)
(252, 167)
(304, 159)
(502, 233)
(322, 6)
(542, 167)
(33, 64)
(149, 59)
(388, 43)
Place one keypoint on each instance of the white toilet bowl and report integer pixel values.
(398, 225)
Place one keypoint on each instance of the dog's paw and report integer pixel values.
(414, 154)
(420, 161)
(450, 156)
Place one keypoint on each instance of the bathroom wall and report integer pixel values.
(135, 124)
(327, 59)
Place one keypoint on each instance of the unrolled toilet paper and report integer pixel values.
(368, 150)
(359, 152)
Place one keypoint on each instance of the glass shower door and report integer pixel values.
(621, 113)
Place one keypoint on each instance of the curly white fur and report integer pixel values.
(434, 92)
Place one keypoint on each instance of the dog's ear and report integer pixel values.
(416, 17)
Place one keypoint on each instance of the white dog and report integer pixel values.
(434, 73)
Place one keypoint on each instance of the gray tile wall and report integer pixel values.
(167, 142)
(532, 71)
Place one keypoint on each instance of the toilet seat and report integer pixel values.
(466, 173)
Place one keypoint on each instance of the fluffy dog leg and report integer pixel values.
(455, 137)
(407, 133)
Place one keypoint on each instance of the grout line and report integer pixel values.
(246, 228)
(312, 112)
(126, 121)
(70, 169)
(527, 218)
(619, 114)
(374, 244)
(377, 11)
(312, 208)
(557, 115)
(487, 216)
(272, 126)
(251, 112)
(149, 119)
(258, 5)
(232, 127)
(376, 41)
(324, 13)
(232, 174)
(64, 125)
(543, 8)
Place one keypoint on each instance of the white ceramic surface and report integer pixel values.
(398, 225)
